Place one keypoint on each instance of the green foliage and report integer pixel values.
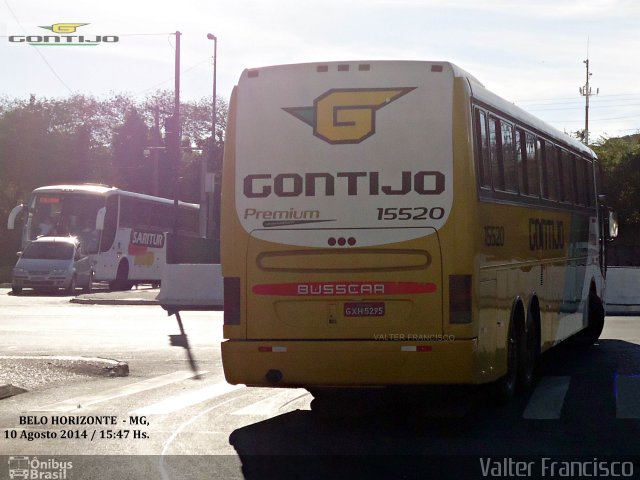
(620, 160)
(47, 141)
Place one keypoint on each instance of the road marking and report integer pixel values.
(178, 402)
(627, 396)
(73, 404)
(547, 399)
(275, 404)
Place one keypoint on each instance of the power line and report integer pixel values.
(53, 71)
(182, 72)
(593, 107)
(561, 100)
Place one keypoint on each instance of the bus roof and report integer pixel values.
(83, 188)
(481, 93)
(478, 92)
(105, 190)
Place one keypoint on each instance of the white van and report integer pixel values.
(51, 263)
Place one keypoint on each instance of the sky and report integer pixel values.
(531, 53)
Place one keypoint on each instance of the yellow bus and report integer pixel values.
(396, 223)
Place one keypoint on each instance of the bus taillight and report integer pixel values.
(460, 299)
(231, 301)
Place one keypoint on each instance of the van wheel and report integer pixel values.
(16, 290)
(71, 289)
(89, 286)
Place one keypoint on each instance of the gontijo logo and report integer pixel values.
(343, 116)
(64, 39)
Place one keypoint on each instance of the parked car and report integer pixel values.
(51, 263)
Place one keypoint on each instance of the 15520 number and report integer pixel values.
(410, 213)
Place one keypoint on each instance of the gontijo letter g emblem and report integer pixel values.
(64, 27)
(341, 116)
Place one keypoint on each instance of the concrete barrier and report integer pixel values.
(623, 290)
(191, 287)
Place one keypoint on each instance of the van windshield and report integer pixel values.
(48, 251)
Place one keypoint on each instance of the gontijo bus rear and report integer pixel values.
(354, 244)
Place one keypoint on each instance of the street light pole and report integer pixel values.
(175, 150)
(211, 36)
(212, 192)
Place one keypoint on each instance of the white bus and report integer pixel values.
(123, 232)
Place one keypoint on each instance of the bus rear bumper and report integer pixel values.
(349, 363)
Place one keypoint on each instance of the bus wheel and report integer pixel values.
(595, 324)
(121, 282)
(530, 352)
(504, 388)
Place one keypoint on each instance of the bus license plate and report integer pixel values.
(364, 309)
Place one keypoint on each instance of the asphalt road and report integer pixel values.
(161, 422)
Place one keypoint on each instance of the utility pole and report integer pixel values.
(174, 154)
(155, 153)
(211, 181)
(586, 93)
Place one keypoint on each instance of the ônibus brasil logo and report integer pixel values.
(348, 115)
(64, 39)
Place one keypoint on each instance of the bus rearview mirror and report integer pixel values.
(100, 218)
(613, 224)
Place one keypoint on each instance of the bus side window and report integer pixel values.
(567, 177)
(495, 147)
(508, 157)
(551, 169)
(521, 161)
(532, 155)
(581, 181)
(542, 162)
(482, 149)
(588, 170)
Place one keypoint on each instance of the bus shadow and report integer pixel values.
(39, 293)
(403, 435)
(446, 431)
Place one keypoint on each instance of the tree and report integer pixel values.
(620, 159)
(129, 143)
(82, 138)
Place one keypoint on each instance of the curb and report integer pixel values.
(113, 301)
(93, 366)
(7, 390)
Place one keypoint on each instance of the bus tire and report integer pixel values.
(504, 388)
(529, 354)
(16, 290)
(121, 282)
(595, 323)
